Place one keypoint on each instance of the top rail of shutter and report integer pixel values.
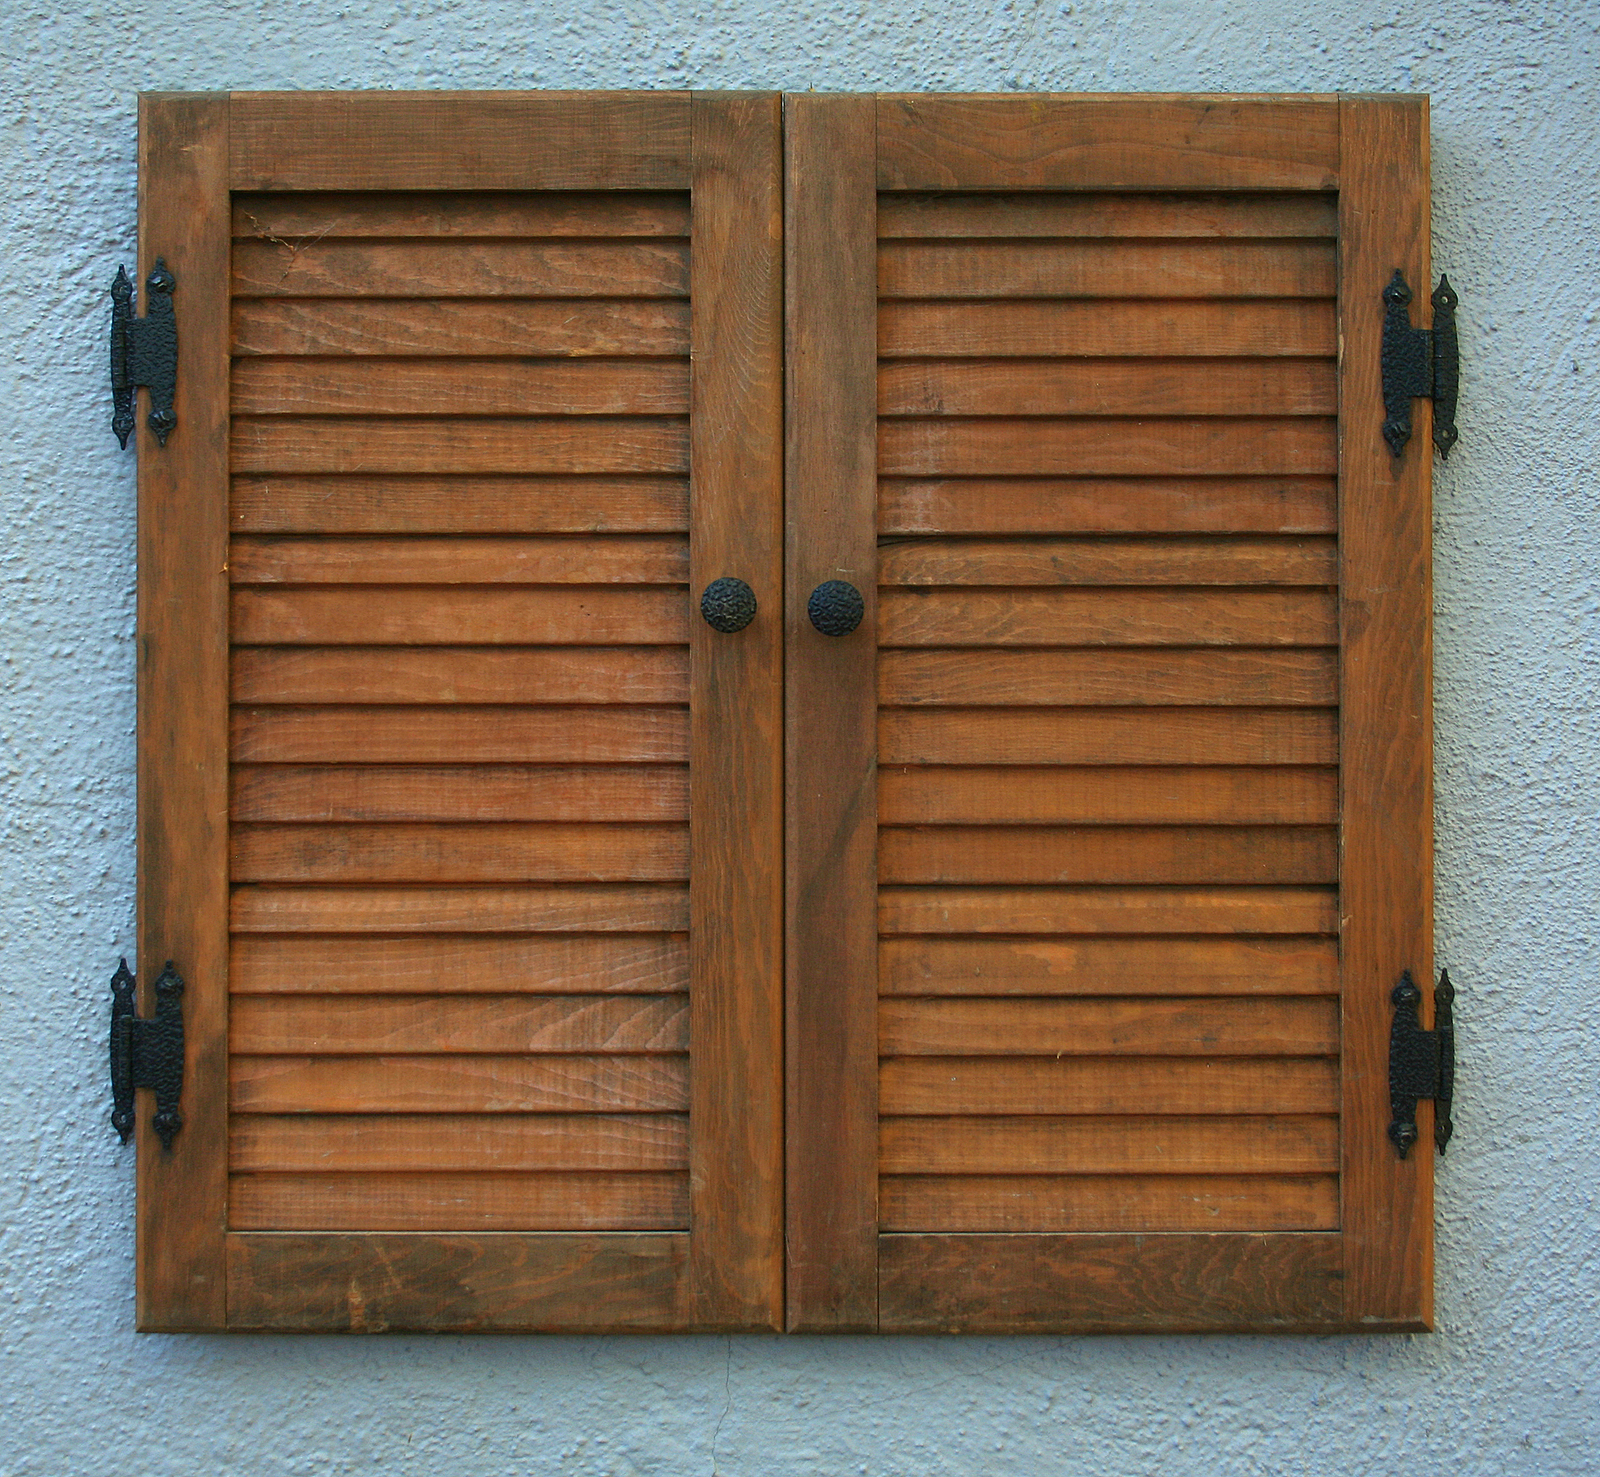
(460, 140)
(1107, 142)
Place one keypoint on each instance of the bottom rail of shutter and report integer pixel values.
(510, 1283)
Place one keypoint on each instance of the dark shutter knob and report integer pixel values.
(836, 607)
(728, 604)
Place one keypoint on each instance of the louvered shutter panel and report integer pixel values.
(460, 824)
(1109, 828)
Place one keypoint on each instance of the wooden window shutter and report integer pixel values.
(463, 834)
(1107, 848)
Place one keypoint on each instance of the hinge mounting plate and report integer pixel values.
(1422, 1064)
(147, 1053)
(144, 351)
(1420, 363)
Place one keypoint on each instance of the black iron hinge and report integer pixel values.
(1422, 1064)
(1420, 363)
(144, 351)
(147, 1053)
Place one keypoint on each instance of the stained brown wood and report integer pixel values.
(479, 561)
(1104, 505)
(412, 735)
(1301, 1144)
(945, 1085)
(1101, 269)
(423, 964)
(1104, 736)
(342, 1024)
(1189, 216)
(466, 792)
(1271, 328)
(1208, 796)
(1241, 1026)
(1147, 1204)
(294, 218)
(1117, 965)
(463, 387)
(613, 675)
(445, 504)
(632, 908)
(1125, 910)
(445, 327)
(595, 1283)
(457, 1202)
(1107, 142)
(183, 693)
(1097, 1284)
(986, 447)
(485, 1142)
(460, 1084)
(1101, 561)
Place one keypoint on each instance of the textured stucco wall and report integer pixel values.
(1510, 1382)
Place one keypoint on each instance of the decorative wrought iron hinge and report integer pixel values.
(1420, 363)
(1421, 1063)
(147, 1053)
(144, 351)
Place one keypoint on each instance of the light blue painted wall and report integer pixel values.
(1508, 1385)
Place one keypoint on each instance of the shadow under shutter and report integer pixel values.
(460, 824)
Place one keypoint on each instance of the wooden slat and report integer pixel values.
(611, 559)
(1299, 1144)
(1134, 678)
(1270, 328)
(505, 1142)
(430, 615)
(945, 1085)
(458, 1202)
(1099, 561)
(1106, 215)
(290, 504)
(988, 447)
(402, 327)
(1015, 387)
(636, 908)
(460, 1084)
(463, 386)
(1109, 966)
(287, 1025)
(414, 444)
(932, 142)
(912, 616)
(1117, 854)
(1148, 1204)
(596, 1283)
(470, 674)
(514, 216)
(1209, 796)
(1205, 1282)
(958, 910)
(463, 735)
(420, 964)
(1231, 505)
(1107, 736)
(1243, 1026)
(1088, 269)
(460, 140)
(501, 792)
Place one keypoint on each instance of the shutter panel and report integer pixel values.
(1109, 828)
(476, 885)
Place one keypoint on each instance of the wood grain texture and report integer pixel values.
(831, 301)
(575, 908)
(452, 504)
(1387, 713)
(1122, 910)
(266, 964)
(456, 213)
(183, 695)
(1099, 561)
(319, 559)
(460, 141)
(606, 1283)
(1187, 216)
(1115, 1283)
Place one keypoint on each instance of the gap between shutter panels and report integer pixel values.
(460, 727)
(1108, 787)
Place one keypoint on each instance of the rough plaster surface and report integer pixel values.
(1508, 1385)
